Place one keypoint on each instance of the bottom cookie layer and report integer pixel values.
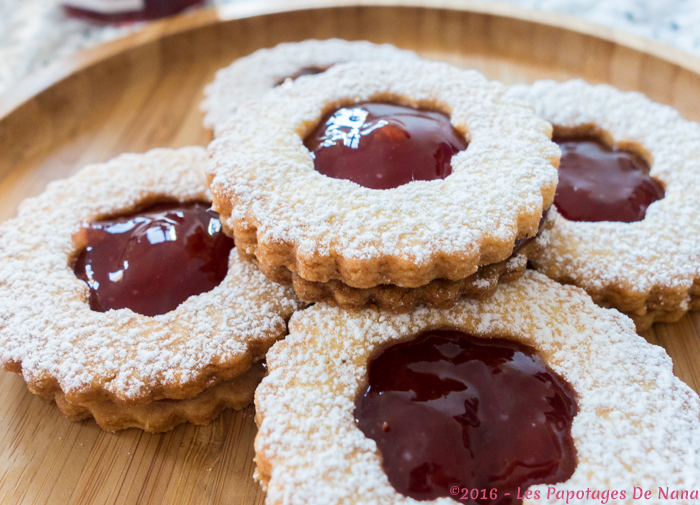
(164, 415)
(645, 309)
(660, 315)
(439, 293)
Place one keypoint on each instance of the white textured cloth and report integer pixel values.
(33, 33)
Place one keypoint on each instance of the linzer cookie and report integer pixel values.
(438, 293)
(251, 76)
(536, 392)
(120, 297)
(626, 225)
(164, 415)
(373, 179)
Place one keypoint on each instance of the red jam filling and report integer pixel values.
(522, 242)
(451, 411)
(152, 261)
(314, 70)
(597, 183)
(383, 146)
(109, 11)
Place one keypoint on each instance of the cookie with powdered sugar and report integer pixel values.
(490, 175)
(96, 337)
(632, 244)
(426, 407)
(251, 76)
(438, 293)
(164, 415)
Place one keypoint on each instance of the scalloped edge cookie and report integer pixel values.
(62, 348)
(284, 213)
(650, 269)
(165, 415)
(252, 76)
(637, 424)
(438, 293)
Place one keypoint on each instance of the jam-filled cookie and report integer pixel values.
(164, 415)
(120, 296)
(625, 224)
(438, 293)
(384, 173)
(532, 392)
(252, 76)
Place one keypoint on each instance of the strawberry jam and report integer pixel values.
(119, 11)
(520, 243)
(597, 183)
(451, 411)
(383, 146)
(313, 70)
(152, 261)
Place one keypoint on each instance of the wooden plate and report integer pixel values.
(143, 92)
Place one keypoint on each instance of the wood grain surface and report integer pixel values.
(143, 92)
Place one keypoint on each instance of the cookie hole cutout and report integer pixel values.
(152, 260)
(603, 181)
(449, 410)
(384, 145)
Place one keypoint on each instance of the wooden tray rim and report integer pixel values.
(36, 83)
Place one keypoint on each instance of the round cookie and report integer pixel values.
(286, 215)
(649, 269)
(637, 424)
(163, 415)
(83, 358)
(252, 76)
(438, 293)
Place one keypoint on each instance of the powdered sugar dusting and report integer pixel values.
(658, 256)
(638, 425)
(252, 76)
(325, 228)
(48, 327)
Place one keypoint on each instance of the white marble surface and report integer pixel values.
(34, 33)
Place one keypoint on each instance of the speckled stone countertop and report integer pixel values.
(34, 33)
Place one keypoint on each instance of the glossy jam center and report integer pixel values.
(448, 409)
(153, 261)
(383, 146)
(597, 183)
